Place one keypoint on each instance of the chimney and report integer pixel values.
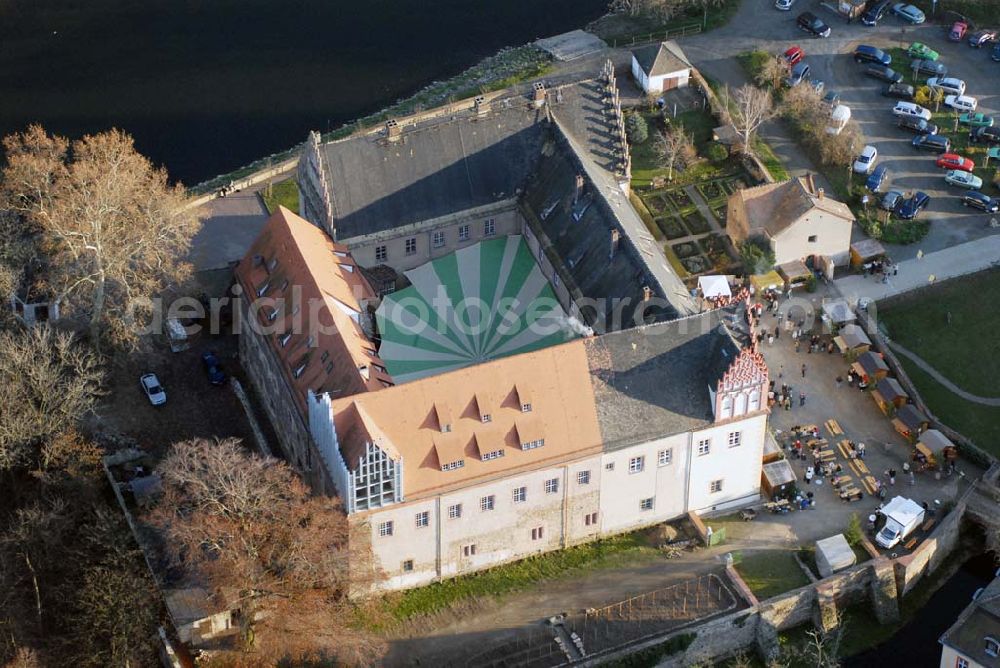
(480, 105)
(647, 293)
(819, 194)
(538, 95)
(392, 130)
(578, 188)
(615, 234)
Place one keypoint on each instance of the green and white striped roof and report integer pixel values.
(479, 303)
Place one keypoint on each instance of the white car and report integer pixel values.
(154, 391)
(783, 5)
(961, 102)
(910, 110)
(950, 85)
(866, 161)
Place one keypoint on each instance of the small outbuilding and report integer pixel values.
(852, 340)
(772, 451)
(795, 272)
(834, 554)
(772, 280)
(837, 313)
(890, 395)
(776, 477)
(910, 422)
(865, 251)
(870, 368)
(660, 67)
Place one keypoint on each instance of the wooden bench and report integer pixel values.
(861, 467)
(845, 448)
(842, 479)
(928, 524)
(850, 493)
(834, 428)
(817, 442)
(853, 465)
(869, 483)
(910, 543)
(825, 455)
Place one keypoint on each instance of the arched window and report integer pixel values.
(992, 646)
(755, 400)
(727, 406)
(741, 404)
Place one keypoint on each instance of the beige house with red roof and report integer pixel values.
(799, 220)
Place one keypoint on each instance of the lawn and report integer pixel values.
(516, 576)
(284, 193)
(771, 572)
(621, 30)
(963, 350)
(699, 125)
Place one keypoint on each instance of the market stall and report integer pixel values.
(890, 395)
(910, 422)
(870, 368)
(852, 340)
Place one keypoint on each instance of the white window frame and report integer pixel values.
(488, 456)
(735, 439)
(531, 445)
(992, 646)
(464, 232)
(647, 504)
(487, 503)
(552, 486)
(704, 447)
(961, 662)
(537, 533)
(437, 238)
(422, 519)
(410, 246)
(583, 477)
(385, 529)
(665, 457)
(381, 253)
(636, 464)
(715, 486)
(519, 494)
(455, 511)
(469, 550)
(526, 408)
(610, 466)
(407, 565)
(489, 227)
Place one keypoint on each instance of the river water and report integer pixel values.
(206, 86)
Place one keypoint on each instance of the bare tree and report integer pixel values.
(111, 227)
(655, 9)
(805, 106)
(674, 147)
(747, 109)
(47, 383)
(772, 73)
(841, 149)
(250, 526)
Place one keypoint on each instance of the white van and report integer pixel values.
(911, 110)
(839, 117)
(961, 102)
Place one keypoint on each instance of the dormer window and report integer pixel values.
(992, 646)
(284, 339)
(495, 454)
(272, 315)
(272, 264)
(284, 285)
(263, 288)
(451, 466)
(486, 417)
(300, 369)
(525, 408)
(445, 428)
(531, 445)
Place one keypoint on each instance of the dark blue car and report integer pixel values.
(877, 178)
(911, 206)
(996, 53)
(216, 376)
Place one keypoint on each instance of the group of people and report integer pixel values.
(881, 269)
(784, 398)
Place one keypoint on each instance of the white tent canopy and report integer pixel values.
(714, 286)
(834, 554)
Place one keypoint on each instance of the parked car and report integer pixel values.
(990, 135)
(921, 51)
(900, 91)
(996, 53)
(832, 98)
(153, 390)
(917, 125)
(929, 67)
(883, 73)
(958, 30)
(798, 74)
(818, 86)
(908, 208)
(908, 13)
(839, 116)
(950, 85)
(876, 13)
(793, 55)
(869, 54)
(978, 200)
(908, 109)
(957, 177)
(976, 120)
(812, 24)
(891, 200)
(955, 161)
(783, 5)
(877, 178)
(961, 102)
(980, 38)
(865, 162)
(933, 143)
(212, 367)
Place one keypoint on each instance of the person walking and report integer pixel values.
(770, 339)
(861, 450)
(840, 382)
(802, 398)
(797, 345)
(892, 477)
(803, 370)
(777, 332)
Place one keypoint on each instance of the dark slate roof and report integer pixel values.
(438, 167)
(653, 381)
(979, 620)
(872, 362)
(657, 59)
(911, 416)
(890, 389)
(584, 245)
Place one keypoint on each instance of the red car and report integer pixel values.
(794, 55)
(955, 161)
(958, 30)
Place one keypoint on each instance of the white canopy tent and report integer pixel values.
(714, 286)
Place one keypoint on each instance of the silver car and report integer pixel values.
(154, 391)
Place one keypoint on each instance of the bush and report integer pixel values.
(636, 128)
(758, 258)
(853, 532)
(811, 283)
(716, 152)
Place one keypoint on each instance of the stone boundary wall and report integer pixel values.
(258, 434)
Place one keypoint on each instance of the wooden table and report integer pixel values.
(825, 456)
(833, 427)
